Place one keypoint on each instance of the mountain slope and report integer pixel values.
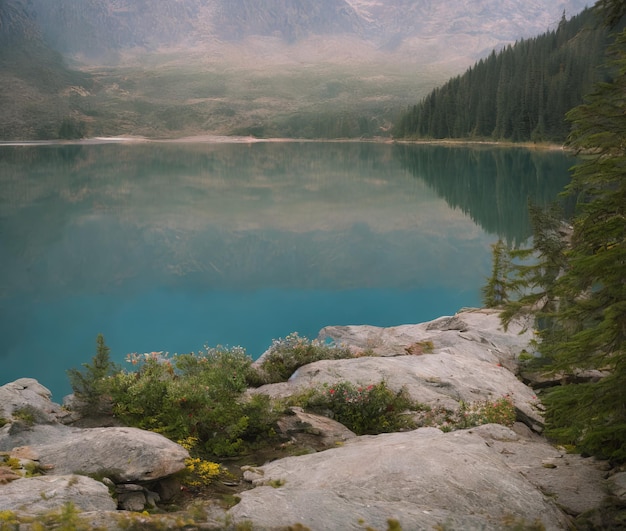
(421, 30)
(290, 20)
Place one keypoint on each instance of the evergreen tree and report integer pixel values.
(534, 271)
(592, 325)
(87, 384)
(611, 10)
(577, 289)
(496, 292)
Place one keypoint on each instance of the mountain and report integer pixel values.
(421, 30)
(481, 24)
(302, 68)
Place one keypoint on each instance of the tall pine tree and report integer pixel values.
(584, 326)
(533, 273)
(592, 333)
(496, 292)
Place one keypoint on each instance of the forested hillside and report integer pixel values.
(521, 93)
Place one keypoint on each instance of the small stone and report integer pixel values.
(25, 452)
(7, 475)
(132, 501)
(152, 498)
(168, 488)
(617, 485)
(128, 487)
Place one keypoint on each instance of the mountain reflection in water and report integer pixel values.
(174, 246)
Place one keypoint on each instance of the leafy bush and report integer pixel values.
(66, 518)
(364, 410)
(288, 354)
(196, 396)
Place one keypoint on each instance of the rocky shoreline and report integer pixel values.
(486, 477)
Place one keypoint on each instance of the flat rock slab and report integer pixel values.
(576, 484)
(47, 493)
(422, 478)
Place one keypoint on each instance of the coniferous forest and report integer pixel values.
(521, 93)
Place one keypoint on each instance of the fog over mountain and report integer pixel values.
(294, 68)
(421, 30)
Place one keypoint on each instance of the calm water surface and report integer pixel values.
(171, 247)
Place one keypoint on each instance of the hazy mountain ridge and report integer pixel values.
(477, 25)
(93, 26)
(289, 20)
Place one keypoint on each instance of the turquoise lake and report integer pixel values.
(174, 246)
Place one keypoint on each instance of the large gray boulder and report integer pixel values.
(46, 493)
(122, 454)
(28, 395)
(422, 478)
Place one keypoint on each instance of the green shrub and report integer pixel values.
(288, 354)
(420, 347)
(368, 409)
(525, 357)
(12, 462)
(33, 469)
(197, 396)
(66, 518)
